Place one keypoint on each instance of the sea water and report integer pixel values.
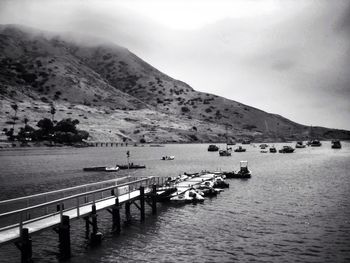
(295, 208)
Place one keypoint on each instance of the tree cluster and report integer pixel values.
(64, 132)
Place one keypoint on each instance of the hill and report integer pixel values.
(117, 96)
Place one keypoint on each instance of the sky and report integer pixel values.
(286, 57)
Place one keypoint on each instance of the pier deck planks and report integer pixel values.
(11, 233)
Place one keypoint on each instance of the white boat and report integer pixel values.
(207, 189)
(167, 158)
(219, 182)
(101, 169)
(111, 169)
(300, 144)
(190, 196)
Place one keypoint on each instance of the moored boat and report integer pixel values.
(273, 149)
(286, 149)
(207, 189)
(190, 196)
(130, 166)
(213, 148)
(219, 182)
(315, 143)
(101, 169)
(240, 149)
(242, 173)
(336, 144)
(168, 158)
(225, 153)
(164, 194)
(263, 146)
(300, 144)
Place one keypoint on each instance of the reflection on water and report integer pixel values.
(295, 208)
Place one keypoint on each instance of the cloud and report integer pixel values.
(286, 57)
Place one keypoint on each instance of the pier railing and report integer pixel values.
(27, 201)
(44, 209)
(84, 202)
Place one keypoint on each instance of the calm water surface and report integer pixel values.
(295, 208)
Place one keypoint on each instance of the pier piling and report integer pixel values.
(154, 199)
(127, 213)
(142, 203)
(133, 191)
(64, 237)
(116, 216)
(87, 227)
(95, 237)
(25, 246)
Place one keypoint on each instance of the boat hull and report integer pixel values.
(101, 169)
(233, 175)
(125, 166)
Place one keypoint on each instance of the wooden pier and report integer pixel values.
(18, 225)
(22, 217)
(112, 144)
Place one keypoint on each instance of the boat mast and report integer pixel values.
(226, 137)
(128, 156)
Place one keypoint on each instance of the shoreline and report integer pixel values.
(8, 145)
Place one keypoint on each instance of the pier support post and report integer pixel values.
(116, 217)
(154, 199)
(64, 237)
(127, 212)
(96, 237)
(142, 203)
(25, 246)
(87, 227)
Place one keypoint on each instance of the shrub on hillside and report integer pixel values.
(185, 109)
(249, 127)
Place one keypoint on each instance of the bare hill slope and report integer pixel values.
(117, 96)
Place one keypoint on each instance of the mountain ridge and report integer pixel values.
(119, 97)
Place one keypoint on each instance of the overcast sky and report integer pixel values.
(286, 57)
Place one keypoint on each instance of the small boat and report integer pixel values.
(240, 149)
(164, 194)
(300, 144)
(156, 145)
(190, 196)
(101, 169)
(131, 166)
(286, 149)
(273, 149)
(207, 189)
(111, 169)
(219, 182)
(213, 148)
(263, 146)
(168, 158)
(315, 143)
(264, 151)
(336, 144)
(243, 173)
(225, 153)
